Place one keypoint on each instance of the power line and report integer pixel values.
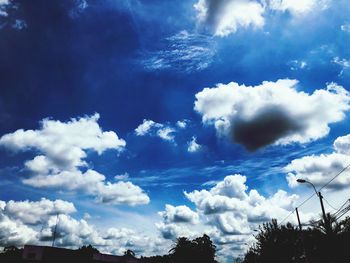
(325, 185)
(287, 217)
(343, 205)
(336, 209)
(335, 177)
(342, 210)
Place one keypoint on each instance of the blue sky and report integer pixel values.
(142, 121)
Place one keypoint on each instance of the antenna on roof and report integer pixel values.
(54, 232)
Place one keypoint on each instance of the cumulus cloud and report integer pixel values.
(3, 6)
(228, 212)
(166, 133)
(193, 146)
(182, 124)
(146, 126)
(17, 219)
(14, 232)
(63, 147)
(231, 196)
(224, 17)
(297, 7)
(64, 143)
(152, 128)
(36, 212)
(271, 113)
(172, 231)
(177, 221)
(19, 226)
(319, 169)
(179, 214)
(72, 232)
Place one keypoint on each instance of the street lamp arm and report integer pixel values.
(317, 193)
(305, 181)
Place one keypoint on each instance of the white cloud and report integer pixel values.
(271, 113)
(297, 6)
(179, 214)
(343, 63)
(193, 146)
(14, 232)
(226, 16)
(182, 124)
(151, 128)
(64, 144)
(172, 231)
(342, 144)
(63, 148)
(319, 169)
(18, 226)
(17, 219)
(121, 177)
(3, 6)
(232, 186)
(146, 126)
(345, 28)
(298, 64)
(92, 183)
(228, 212)
(231, 197)
(31, 212)
(166, 133)
(232, 225)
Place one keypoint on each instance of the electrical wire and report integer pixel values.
(292, 212)
(336, 209)
(325, 185)
(343, 170)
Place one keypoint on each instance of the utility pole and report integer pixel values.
(325, 219)
(296, 210)
(318, 193)
(301, 236)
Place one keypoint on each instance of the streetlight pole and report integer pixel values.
(318, 193)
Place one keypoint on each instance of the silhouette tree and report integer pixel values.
(11, 254)
(204, 249)
(129, 253)
(316, 244)
(200, 249)
(86, 252)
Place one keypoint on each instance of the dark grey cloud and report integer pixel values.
(265, 128)
(272, 112)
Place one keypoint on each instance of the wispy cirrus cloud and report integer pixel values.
(184, 52)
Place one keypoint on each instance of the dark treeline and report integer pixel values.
(200, 249)
(320, 242)
(185, 250)
(323, 241)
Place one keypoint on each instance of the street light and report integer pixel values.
(318, 193)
